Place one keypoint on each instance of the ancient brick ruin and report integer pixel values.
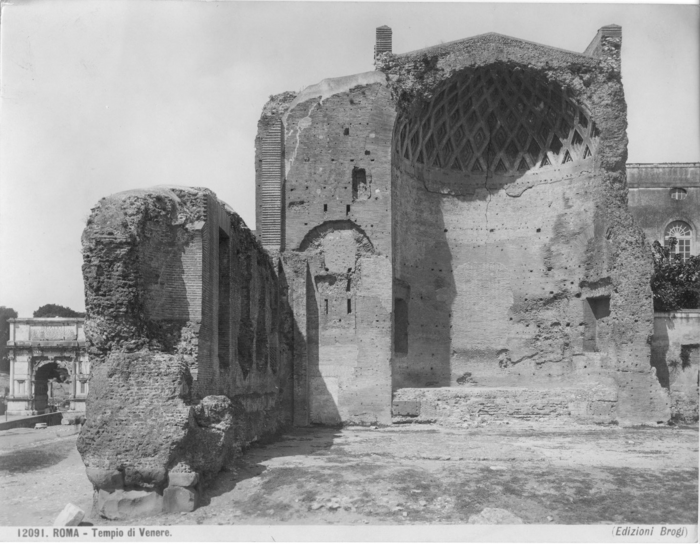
(443, 239)
(190, 338)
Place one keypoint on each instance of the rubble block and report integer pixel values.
(179, 499)
(70, 516)
(122, 504)
(188, 337)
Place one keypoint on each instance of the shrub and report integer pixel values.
(56, 310)
(675, 282)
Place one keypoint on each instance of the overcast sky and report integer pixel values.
(103, 96)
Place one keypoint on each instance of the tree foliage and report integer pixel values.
(675, 282)
(5, 314)
(56, 310)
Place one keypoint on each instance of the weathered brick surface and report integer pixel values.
(675, 354)
(491, 173)
(503, 242)
(457, 406)
(189, 340)
(337, 243)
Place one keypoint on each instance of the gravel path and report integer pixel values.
(405, 474)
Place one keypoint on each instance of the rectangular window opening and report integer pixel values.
(359, 182)
(325, 207)
(347, 209)
(594, 309)
(400, 326)
(224, 325)
(349, 306)
(326, 305)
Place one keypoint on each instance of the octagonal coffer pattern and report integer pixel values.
(497, 120)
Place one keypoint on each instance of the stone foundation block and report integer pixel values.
(179, 499)
(122, 504)
(457, 406)
(406, 408)
(109, 480)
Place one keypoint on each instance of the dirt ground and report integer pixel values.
(416, 474)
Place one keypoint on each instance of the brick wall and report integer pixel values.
(170, 392)
(675, 354)
(490, 275)
(338, 222)
(462, 407)
(510, 212)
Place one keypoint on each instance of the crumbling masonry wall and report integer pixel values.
(190, 340)
(490, 172)
(335, 241)
(675, 354)
(513, 241)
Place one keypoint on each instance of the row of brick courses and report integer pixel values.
(270, 118)
(451, 406)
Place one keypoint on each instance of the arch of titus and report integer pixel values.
(47, 354)
(443, 239)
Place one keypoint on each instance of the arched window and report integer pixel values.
(682, 232)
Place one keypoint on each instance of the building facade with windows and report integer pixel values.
(665, 200)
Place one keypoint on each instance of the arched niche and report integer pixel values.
(313, 239)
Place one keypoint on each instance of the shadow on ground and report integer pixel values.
(35, 458)
(306, 441)
(428, 474)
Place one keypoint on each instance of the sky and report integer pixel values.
(102, 96)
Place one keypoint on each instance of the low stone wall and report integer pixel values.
(189, 338)
(675, 353)
(464, 406)
(53, 418)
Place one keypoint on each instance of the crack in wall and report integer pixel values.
(536, 183)
(486, 182)
(303, 123)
